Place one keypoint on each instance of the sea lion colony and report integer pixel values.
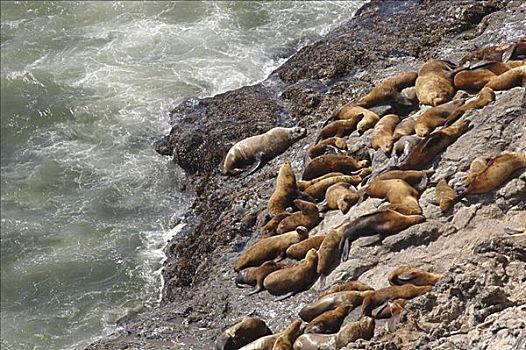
(333, 179)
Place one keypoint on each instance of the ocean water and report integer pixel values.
(85, 201)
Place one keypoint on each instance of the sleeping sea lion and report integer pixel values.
(339, 128)
(242, 333)
(404, 128)
(434, 85)
(299, 250)
(328, 257)
(303, 185)
(361, 329)
(329, 321)
(269, 229)
(345, 286)
(388, 91)
(484, 97)
(254, 276)
(435, 116)
(340, 196)
(382, 295)
(321, 147)
(383, 133)
(512, 78)
(288, 336)
(308, 216)
(446, 196)
(411, 275)
(285, 191)
(332, 163)
(402, 197)
(263, 343)
(331, 302)
(319, 189)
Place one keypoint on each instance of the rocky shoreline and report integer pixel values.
(478, 303)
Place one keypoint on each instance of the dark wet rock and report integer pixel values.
(480, 300)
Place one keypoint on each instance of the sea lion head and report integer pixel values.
(312, 256)
(302, 231)
(297, 133)
(345, 203)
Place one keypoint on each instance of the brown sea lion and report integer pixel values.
(293, 279)
(242, 333)
(389, 90)
(256, 150)
(321, 147)
(269, 248)
(328, 257)
(269, 229)
(254, 276)
(319, 189)
(425, 150)
(388, 309)
(263, 343)
(383, 222)
(329, 321)
(341, 196)
(402, 196)
(332, 163)
(345, 286)
(382, 295)
(446, 196)
(361, 329)
(501, 53)
(477, 166)
(412, 177)
(484, 97)
(475, 79)
(434, 85)
(497, 171)
(411, 275)
(330, 302)
(303, 185)
(368, 121)
(435, 116)
(512, 78)
(285, 191)
(383, 133)
(308, 216)
(299, 250)
(350, 111)
(404, 128)
(288, 336)
(339, 128)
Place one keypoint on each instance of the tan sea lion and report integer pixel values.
(512, 78)
(257, 150)
(341, 196)
(329, 321)
(313, 341)
(473, 80)
(294, 279)
(332, 163)
(303, 185)
(299, 250)
(404, 128)
(382, 295)
(345, 286)
(383, 222)
(263, 343)
(242, 333)
(502, 53)
(331, 302)
(350, 111)
(361, 329)
(285, 191)
(321, 147)
(269, 229)
(339, 128)
(389, 90)
(328, 257)
(484, 97)
(435, 116)
(389, 308)
(497, 171)
(319, 189)
(368, 121)
(269, 248)
(411, 275)
(288, 336)
(434, 85)
(254, 276)
(402, 197)
(308, 216)
(477, 166)
(412, 177)
(425, 150)
(446, 196)
(383, 133)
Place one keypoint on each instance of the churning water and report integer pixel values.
(85, 200)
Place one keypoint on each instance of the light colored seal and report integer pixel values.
(368, 121)
(269, 248)
(330, 321)
(256, 150)
(389, 90)
(405, 128)
(362, 329)
(331, 302)
(299, 250)
(445, 195)
(434, 85)
(473, 80)
(484, 97)
(308, 216)
(380, 296)
(339, 128)
(319, 189)
(294, 279)
(402, 196)
(288, 336)
(269, 229)
(340, 196)
(411, 275)
(285, 191)
(346, 286)
(435, 116)
(254, 276)
(263, 343)
(512, 78)
(332, 163)
(321, 147)
(242, 333)
(383, 133)
(302, 184)
(328, 257)
(503, 52)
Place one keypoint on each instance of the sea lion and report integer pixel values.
(383, 222)
(411, 275)
(321, 147)
(502, 53)
(477, 166)
(345, 286)
(484, 97)
(328, 257)
(388, 91)
(425, 150)
(361, 329)
(382, 295)
(293, 279)
(329, 321)
(340, 196)
(332, 163)
(330, 302)
(319, 189)
(473, 80)
(269, 248)
(308, 216)
(263, 343)
(434, 85)
(299, 250)
(254, 276)
(303, 185)
(512, 78)
(383, 133)
(412, 177)
(350, 111)
(368, 121)
(446, 196)
(402, 197)
(435, 116)
(285, 191)
(388, 309)
(313, 341)
(339, 128)
(404, 128)
(256, 150)
(497, 171)
(288, 336)
(242, 333)
(269, 229)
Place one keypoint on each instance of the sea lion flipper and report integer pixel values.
(256, 290)
(257, 164)
(286, 296)
(512, 231)
(506, 56)
(322, 207)
(421, 186)
(322, 282)
(400, 99)
(479, 64)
